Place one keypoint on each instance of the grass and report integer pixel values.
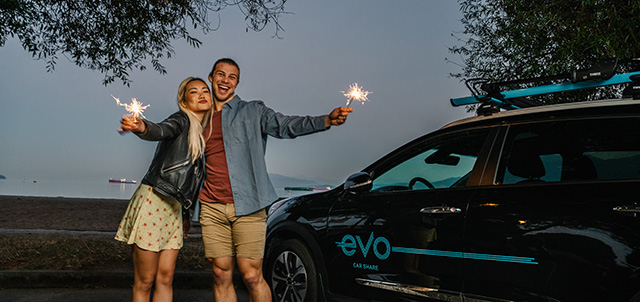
(83, 252)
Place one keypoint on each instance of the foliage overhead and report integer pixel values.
(117, 36)
(515, 39)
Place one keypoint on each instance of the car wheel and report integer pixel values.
(291, 272)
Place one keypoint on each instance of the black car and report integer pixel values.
(533, 204)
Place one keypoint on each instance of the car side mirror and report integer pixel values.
(359, 182)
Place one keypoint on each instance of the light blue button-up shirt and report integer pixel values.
(245, 126)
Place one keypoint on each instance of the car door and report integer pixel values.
(404, 236)
(560, 221)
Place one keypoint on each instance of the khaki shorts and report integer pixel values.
(226, 235)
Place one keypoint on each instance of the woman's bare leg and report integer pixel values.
(164, 277)
(145, 267)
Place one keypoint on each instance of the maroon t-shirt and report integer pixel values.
(217, 187)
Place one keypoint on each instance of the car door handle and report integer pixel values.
(628, 209)
(440, 210)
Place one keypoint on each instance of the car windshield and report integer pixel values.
(439, 163)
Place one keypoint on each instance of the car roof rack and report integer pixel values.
(494, 99)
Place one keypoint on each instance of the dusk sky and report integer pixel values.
(63, 124)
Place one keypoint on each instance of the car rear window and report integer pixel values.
(571, 150)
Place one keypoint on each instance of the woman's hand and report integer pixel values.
(186, 226)
(133, 124)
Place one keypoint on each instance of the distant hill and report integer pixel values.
(281, 181)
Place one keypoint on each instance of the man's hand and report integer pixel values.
(337, 117)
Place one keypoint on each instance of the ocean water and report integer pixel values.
(85, 189)
(66, 188)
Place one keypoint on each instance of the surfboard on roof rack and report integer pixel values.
(492, 98)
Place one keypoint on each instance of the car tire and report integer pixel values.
(291, 273)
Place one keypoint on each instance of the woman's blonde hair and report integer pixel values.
(196, 140)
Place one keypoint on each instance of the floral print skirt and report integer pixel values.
(151, 221)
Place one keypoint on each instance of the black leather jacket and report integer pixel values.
(171, 172)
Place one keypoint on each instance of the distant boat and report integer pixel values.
(122, 181)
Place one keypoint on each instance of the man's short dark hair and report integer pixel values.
(228, 61)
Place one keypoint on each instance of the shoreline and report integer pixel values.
(61, 213)
(66, 241)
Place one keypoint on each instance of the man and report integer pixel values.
(237, 188)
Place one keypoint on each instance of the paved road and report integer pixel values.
(98, 286)
(100, 295)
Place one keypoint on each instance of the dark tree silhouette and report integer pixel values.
(515, 39)
(117, 36)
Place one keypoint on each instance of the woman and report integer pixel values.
(153, 221)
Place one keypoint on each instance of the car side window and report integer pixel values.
(571, 150)
(443, 162)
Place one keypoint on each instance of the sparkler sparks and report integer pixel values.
(356, 93)
(134, 108)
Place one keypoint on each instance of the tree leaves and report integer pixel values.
(116, 36)
(515, 39)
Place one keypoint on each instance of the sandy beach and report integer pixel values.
(59, 213)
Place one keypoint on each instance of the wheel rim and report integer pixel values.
(289, 278)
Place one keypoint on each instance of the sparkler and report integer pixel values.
(134, 107)
(356, 93)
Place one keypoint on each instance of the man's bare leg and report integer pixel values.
(251, 270)
(223, 290)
